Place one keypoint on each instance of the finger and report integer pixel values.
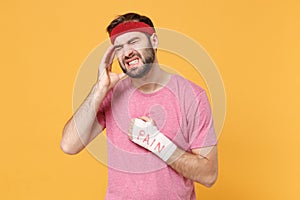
(145, 118)
(130, 127)
(110, 61)
(107, 59)
(130, 130)
(109, 54)
(109, 67)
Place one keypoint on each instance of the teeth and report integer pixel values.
(133, 62)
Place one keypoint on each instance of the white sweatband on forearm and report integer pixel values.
(148, 136)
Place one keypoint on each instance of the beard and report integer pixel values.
(147, 60)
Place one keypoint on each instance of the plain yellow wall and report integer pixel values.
(255, 45)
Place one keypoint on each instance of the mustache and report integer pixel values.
(131, 56)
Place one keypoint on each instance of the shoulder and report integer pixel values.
(186, 85)
(122, 85)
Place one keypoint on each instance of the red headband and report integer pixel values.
(130, 26)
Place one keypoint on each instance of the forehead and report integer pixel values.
(124, 38)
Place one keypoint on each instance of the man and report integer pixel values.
(159, 126)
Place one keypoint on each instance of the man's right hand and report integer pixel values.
(106, 78)
(83, 127)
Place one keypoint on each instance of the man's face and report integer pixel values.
(135, 53)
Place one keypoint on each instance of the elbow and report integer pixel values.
(209, 183)
(67, 144)
(68, 149)
(210, 180)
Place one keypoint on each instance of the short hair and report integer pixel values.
(128, 17)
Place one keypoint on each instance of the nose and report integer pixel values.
(128, 51)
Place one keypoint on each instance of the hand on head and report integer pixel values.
(106, 77)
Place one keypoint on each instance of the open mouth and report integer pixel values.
(133, 62)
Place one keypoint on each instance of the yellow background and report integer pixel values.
(255, 45)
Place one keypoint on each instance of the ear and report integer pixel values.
(154, 40)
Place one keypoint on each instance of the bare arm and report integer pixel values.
(197, 167)
(83, 126)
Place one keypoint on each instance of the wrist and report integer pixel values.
(98, 94)
(99, 91)
(148, 136)
(175, 156)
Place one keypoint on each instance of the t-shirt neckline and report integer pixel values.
(160, 90)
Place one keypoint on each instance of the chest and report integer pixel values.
(164, 109)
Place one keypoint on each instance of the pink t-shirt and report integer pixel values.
(181, 111)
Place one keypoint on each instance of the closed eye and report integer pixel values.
(117, 48)
(133, 40)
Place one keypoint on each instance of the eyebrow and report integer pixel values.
(132, 39)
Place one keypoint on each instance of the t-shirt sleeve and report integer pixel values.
(200, 122)
(105, 105)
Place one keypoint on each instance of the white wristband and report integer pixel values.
(148, 136)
